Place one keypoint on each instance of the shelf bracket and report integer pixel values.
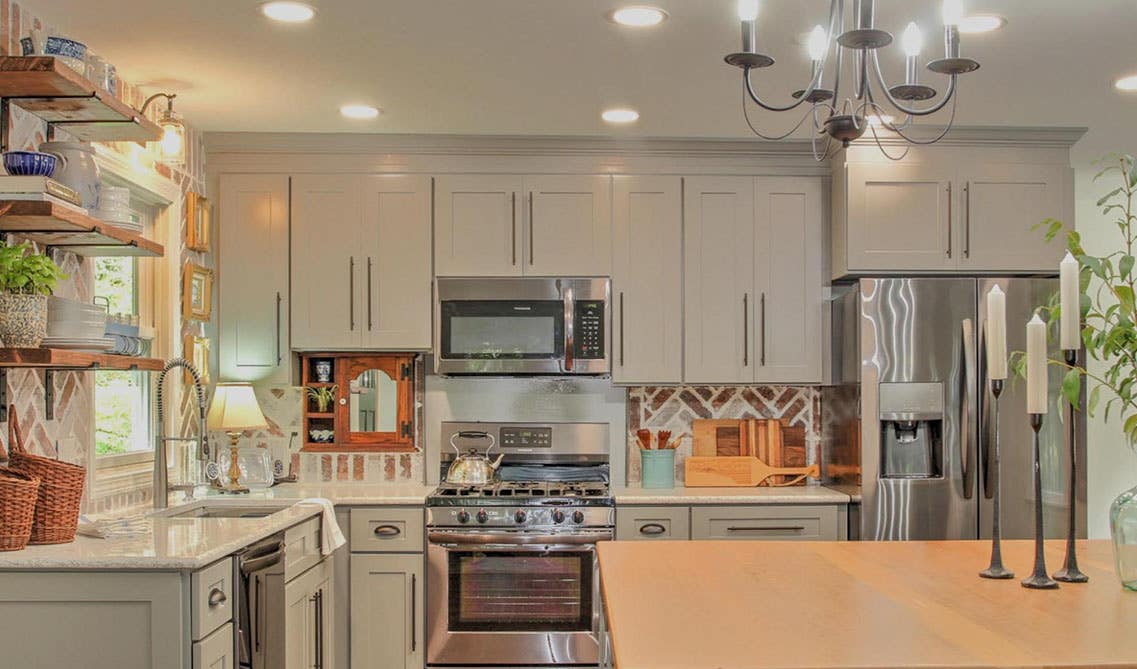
(49, 394)
(3, 395)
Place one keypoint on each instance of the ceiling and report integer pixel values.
(548, 67)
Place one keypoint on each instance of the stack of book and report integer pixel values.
(38, 189)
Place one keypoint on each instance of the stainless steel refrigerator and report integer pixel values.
(907, 423)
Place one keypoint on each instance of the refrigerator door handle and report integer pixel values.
(968, 409)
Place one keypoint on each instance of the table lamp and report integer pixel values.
(234, 410)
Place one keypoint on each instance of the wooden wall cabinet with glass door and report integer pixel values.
(372, 402)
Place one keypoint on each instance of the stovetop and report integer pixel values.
(522, 493)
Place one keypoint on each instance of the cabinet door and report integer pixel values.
(477, 225)
(647, 256)
(768, 523)
(309, 619)
(327, 262)
(386, 611)
(1001, 205)
(718, 247)
(216, 651)
(899, 218)
(396, 264)
(788, 280)
(569, 231)
(253, 254)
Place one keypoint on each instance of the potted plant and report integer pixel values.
(323, 397)
(26, 279)
(1109, 334)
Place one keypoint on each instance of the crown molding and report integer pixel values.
(1004, 136)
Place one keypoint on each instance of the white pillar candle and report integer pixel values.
(1036, 381)
(1071, 321)
(996, 334)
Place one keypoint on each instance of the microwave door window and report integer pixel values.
(503, 330)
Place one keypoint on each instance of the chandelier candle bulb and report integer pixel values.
(913, 43)
(748, 14)
(996, 334)
(818, 44)
(1070, 323)
(1036, 382)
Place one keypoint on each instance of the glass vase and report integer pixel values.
(1123, 526)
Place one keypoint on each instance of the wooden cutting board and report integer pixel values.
(768, 439)
(738, 471)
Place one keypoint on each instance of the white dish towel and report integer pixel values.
(331, 536)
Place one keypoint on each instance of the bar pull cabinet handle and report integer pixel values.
(513, 227)
(414, 612)
(949, 220)
(387, 531)
(369, 293)
(621, 328)
(318, 600)
(279, 359)
(351, 292)
(217, 598)
(652, 529)
(968, 409)
(531, 227)
(763, 330)
(967, 220)
(767, 528)
(746, 329)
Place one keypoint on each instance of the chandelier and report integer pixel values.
(870, 100)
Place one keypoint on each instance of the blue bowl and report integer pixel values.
(29, 163)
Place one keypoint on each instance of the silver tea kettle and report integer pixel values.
(472, 467)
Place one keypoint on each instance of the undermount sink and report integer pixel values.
(226, 511)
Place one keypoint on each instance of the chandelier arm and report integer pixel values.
(948, 96)
(947, 128)
(815, 81)
(771, 138)
(836, 23)
(824, 154)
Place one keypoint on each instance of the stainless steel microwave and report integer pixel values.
(519, 326)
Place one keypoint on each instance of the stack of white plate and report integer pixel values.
(75, 325)
(114, 208)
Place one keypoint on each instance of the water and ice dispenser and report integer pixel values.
(911, 430)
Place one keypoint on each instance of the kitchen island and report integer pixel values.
(783, 605)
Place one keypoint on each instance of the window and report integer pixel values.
(122, 398)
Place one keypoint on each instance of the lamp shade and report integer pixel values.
(172, 146)
(235, 409)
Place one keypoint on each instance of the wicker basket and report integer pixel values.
(17, 508)
(60, 489)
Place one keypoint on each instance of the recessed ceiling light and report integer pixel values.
(981, 23)
(1126, 83)
(360, 112)
(637, 16)
(620, 115)
(288, 11)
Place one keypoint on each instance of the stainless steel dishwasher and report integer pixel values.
(260, 634)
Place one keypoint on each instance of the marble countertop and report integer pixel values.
(352, 494)
(790, 495)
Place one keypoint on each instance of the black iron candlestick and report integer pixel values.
(997, 570)
(1070, 572)
(1039, 580)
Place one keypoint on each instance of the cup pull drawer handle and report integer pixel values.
(217, 598)
(652, 529)
(387, 531)
(767, 528)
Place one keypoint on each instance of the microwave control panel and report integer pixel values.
(588, 330)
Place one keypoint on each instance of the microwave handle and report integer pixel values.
(570, 318)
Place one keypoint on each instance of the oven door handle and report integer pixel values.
(570, 324)
(507, 541)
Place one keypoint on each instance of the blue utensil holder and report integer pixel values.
(658, 468)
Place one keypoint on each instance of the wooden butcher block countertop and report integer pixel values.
(782, 605)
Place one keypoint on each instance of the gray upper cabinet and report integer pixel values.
(569, 231)
(647, 288)
(477, 225)
(949, 210)
(253, 256)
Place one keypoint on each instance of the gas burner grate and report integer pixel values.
(514, 489)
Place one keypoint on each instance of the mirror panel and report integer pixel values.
(373, 402)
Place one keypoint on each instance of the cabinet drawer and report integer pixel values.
(216, 650)
(301, 547)
(780, 523)
(651, 523)
(386, 530)
(212, 598)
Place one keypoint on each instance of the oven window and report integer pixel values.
(522, 591)
(496, 330)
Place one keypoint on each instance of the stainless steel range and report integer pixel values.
(512, 571)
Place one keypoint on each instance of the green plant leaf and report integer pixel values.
(1072, 387)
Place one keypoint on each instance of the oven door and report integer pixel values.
(513, 598)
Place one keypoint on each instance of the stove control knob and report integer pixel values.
(482, 516)
(558, 516)
(578, 517)
(519, 516)
(463, 517)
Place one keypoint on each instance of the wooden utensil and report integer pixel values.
(662, 438)
(739, 471)
(644, 437)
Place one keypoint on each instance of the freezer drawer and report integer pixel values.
(769, 523)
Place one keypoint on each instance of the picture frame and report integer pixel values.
(197, 292)
(196, 350)
(199, 222)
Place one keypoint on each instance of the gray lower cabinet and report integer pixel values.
(216, 650)
(780, 523)
(386, 611)
(653, 523)
(309, 601)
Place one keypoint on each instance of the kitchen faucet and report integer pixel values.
(161, 475)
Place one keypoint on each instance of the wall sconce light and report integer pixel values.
(172, 146)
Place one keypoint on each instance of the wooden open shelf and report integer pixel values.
(55, 225)
(56, 358)
(51, 90)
